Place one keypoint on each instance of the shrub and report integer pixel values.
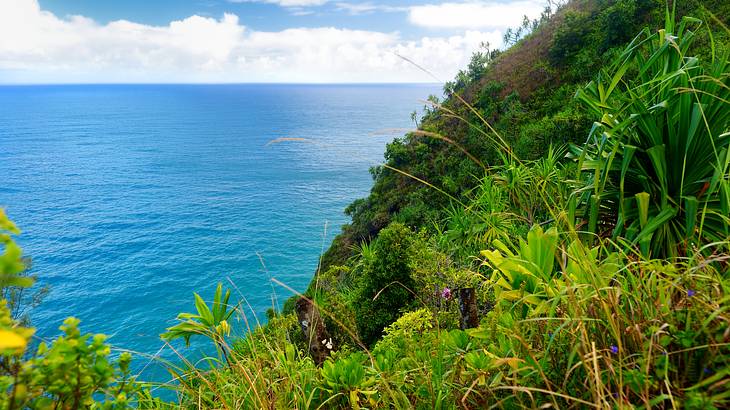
(408, 330)
(385, 287)
(347, 382)
(75, 371)
(571, 37)
(621, 20)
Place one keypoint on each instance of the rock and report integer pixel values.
(319, 342)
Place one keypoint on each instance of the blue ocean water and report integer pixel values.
(132, 197)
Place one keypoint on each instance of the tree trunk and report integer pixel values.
(468, 308)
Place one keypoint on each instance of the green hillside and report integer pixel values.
(525, 94)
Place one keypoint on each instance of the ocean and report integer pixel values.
(132, 197)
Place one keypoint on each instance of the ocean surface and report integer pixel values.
(132, 197)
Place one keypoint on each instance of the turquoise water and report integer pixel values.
(131, 197)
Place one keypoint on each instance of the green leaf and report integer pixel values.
(691, 207)
(642, 200)
(203, 311)
(656, 222)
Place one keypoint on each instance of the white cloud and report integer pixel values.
(496, 14)
(37, 46)
(285, 3)
(367, 8)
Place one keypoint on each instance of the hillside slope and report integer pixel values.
(525, 93)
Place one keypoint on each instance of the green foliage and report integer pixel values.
(73, 372)
(658, 156)
(619, 21)
(11, 262)
(22, 300)
(208, 321)
(536, 137)
(331, 292)
(476, 69)
(528, 276)
(571, 37)
(571, 350)
(14, 278)
(488, 218)
(211, 322)
(385, 286)
(346, 381)
(600, 325)
(590, 33)
(408, 330)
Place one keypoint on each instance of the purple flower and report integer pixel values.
(446, 293)
(614, 349)
(690, 293)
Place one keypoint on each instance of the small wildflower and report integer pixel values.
(690, 293)
(614, 349)
(446, 293)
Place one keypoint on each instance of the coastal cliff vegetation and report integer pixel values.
(555, 234)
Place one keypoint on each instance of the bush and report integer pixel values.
(405, 332)
(385, 287)
(570, 37)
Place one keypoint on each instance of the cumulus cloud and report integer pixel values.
(495, 14)
(367, 8)
(285, 3)
(37, 46)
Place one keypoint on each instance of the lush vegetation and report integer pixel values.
(578, 184)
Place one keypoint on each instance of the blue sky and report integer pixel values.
(388, 15)
(60, 41)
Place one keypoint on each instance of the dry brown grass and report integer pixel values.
(524, 68)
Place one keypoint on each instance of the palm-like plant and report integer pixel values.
(211, 322)
(528, 276)
(658, 156)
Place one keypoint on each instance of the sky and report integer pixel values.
(244, 41)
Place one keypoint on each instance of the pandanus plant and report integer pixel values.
(211, 322)
(657, 158)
